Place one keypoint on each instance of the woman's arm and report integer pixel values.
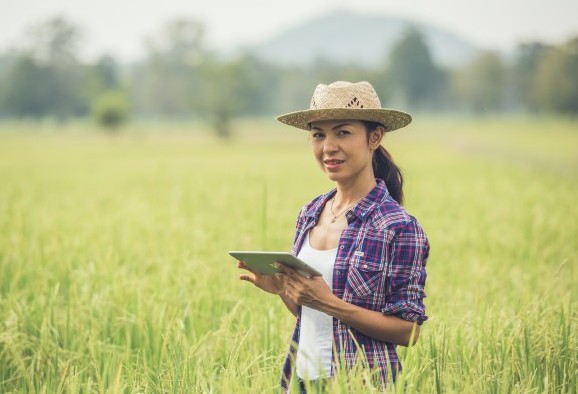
(314, 293)
(374, 324)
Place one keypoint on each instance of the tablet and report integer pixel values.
(266, 263)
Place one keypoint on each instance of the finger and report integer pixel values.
(289, 293)
(282, 279)
(244, 266)
(294, 276)
(291, 284)
(285, 269)
(286, 279)
(247, 278)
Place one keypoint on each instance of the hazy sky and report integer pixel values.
(119, 26)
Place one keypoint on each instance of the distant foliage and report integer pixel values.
(524, 72)
(44, 77)
(480, 85)
(26, 88)
(243, 86)
(413, 74)
(180, 77)
(111, 110)
(557, 79)
(167, 82)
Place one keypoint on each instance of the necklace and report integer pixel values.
(341, 213)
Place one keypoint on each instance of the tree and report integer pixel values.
(239, 86)
(557, 79)
(26, 88)
(45, 77)
(168, 81)
(110, 109)
(105, 73)
(102, 77)
(54, 41)
(480, 85)
(528, 57)
(416, 80)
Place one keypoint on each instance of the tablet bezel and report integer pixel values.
(263, 262)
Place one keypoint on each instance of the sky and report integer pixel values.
(119, 27)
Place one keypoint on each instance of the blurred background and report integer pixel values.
(216, 62)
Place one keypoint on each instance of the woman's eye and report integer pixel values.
(343, 132)
(317, 136)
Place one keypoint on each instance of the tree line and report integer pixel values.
(180, 77)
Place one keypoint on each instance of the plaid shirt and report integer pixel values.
(380, 266)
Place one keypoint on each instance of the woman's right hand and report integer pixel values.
(270, 283)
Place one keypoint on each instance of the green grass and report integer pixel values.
(114, 275)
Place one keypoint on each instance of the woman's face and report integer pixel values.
(342, 150)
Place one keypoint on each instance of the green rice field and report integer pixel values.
(115, 277)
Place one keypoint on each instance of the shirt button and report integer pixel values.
(341, 247)
(364, 265)
(338, 273)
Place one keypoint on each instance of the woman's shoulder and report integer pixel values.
(389, 215)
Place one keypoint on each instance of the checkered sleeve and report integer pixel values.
(298, 230)
(408, 254)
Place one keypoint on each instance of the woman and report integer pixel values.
(371, 252)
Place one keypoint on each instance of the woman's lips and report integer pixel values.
(333, 164)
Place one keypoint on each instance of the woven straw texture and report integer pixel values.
(345, 100)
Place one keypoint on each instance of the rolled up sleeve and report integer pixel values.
(408, 254)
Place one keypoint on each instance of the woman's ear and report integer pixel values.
(375, 137)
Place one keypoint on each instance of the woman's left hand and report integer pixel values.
(311, 292)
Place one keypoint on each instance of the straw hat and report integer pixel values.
(346, 100)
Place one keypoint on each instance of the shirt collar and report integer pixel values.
(361, 210)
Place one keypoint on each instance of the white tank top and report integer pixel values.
(316, 335)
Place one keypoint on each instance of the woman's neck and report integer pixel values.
(349, 193)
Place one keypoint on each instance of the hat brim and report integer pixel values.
(391, 119)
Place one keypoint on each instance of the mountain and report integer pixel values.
(347, 37)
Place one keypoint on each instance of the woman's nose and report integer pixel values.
(330, 145)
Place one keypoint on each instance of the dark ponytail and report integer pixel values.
(384, 167)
